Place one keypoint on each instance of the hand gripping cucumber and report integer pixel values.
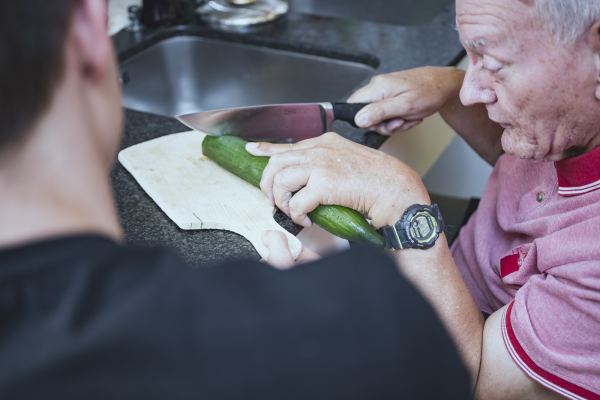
(230, 153)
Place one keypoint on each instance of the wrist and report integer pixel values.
(454, 81)
(390, 211)
(389, 197)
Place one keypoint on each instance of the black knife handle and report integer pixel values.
(347, 111)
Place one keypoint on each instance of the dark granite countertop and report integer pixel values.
(385, 47)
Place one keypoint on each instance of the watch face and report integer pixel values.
(423, 227)
(418, 228)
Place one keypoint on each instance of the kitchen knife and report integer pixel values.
(273, 122)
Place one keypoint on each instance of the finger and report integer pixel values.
(372, 114)
(388, 128)
(400, 106)
(277, 163)
(269, 149)
(381, 129)
(393, 124)
(302, 203)
(409, 124)
(307, 255)
(280, 255)
(286, 182)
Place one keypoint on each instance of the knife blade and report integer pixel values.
(273, 122)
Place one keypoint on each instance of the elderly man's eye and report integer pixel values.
(491, 64)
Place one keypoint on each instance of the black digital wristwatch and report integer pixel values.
(418, 228)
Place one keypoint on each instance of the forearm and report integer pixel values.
(435, 274)
(472, 124)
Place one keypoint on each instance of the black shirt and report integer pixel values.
(85, 318)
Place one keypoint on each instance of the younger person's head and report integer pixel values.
(55, 56)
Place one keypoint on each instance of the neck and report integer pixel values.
(579, 150)
(55, 183)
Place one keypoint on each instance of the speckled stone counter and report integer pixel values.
(385, 47)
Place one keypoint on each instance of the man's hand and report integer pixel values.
(400, 100)
(330, 169)
(280, 255)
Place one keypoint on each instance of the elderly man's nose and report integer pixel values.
(474, 89)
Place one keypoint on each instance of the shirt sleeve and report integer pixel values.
(551, 329)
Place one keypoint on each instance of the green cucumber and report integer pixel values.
(230, 153)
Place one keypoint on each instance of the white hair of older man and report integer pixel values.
(569, 19)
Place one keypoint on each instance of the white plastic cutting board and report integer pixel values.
(196, 193)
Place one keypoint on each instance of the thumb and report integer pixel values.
(373, 114)
(397, 107)
(280, 255)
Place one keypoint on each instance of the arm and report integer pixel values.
(300, 177)
(495, 374)
(401, 100)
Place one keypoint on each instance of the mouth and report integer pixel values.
(504, 125)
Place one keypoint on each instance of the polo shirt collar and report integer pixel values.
(580, 174)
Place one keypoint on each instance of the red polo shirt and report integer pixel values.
(534, 243)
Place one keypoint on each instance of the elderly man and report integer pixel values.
(530, 255)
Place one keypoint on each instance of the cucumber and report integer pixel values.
(230, 153)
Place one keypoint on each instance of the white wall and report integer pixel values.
(459, 172)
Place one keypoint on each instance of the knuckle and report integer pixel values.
(279, 180)
(331, 137)
(410, 106)
(296, 213)
(282, 203)
(274, 160)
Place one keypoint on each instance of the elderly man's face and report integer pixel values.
(540, 91)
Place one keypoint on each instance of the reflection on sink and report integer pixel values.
(396, 12)
(185, 74)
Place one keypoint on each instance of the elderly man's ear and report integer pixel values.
(89, 39)
(594, 38)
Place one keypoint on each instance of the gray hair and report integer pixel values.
(568, 19)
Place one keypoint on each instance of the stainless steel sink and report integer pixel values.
(396, 12)
(185, 74)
